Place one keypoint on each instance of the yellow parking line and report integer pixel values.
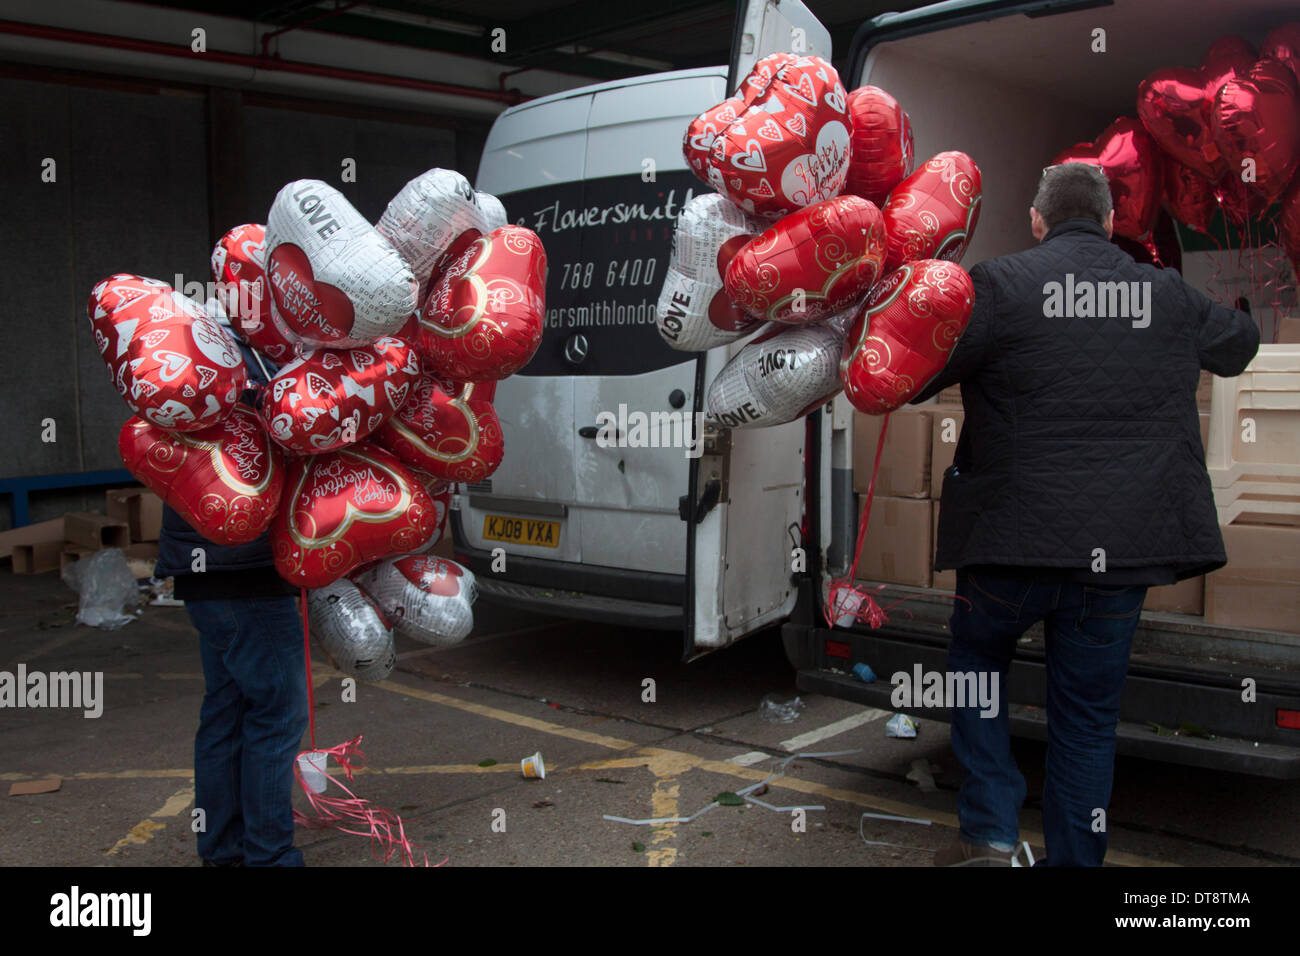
(853, 797)
(144, 831)
(508, 717)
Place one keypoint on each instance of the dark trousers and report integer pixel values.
(250, 728)
(1089, 634)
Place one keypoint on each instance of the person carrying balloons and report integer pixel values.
(254, 709)
(1078, 482)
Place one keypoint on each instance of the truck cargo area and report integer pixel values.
(1013, 91)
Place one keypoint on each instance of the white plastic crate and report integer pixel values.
(1260, 476)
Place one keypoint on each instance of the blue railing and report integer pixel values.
(19, 487)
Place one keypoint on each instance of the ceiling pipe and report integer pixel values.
(267, 63)
(328, 14)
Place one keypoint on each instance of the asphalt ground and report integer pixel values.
(444, 736)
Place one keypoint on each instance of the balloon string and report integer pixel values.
(843, 596)
(840, 596)
(306, 656)
(384, 827)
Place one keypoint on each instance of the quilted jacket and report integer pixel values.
(1082, 432)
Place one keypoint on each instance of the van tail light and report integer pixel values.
(1288, 718)
(841, 649)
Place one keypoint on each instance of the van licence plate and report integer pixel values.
(530, 531)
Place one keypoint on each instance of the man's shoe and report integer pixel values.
(962, 853)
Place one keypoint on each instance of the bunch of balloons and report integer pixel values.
(390, 340)
(823, 236)
(1222, 135)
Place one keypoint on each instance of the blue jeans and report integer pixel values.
(250, 728)
(1089, 633)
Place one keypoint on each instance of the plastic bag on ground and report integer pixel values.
(107, 589)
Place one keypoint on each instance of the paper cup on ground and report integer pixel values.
(312, 766)
(532, 767)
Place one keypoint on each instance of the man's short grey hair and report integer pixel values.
(1073, 191)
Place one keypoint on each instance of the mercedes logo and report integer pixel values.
(575, 350)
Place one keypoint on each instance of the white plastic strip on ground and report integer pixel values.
(831, 730)
(780, 772)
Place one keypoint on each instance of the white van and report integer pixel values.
(653, 538)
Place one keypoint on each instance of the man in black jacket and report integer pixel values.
(1078, 482)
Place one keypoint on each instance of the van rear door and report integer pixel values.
(747, 498)
(599, 175)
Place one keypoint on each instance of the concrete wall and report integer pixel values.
(138, 170)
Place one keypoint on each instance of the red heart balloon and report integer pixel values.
(1176, 105)
(225, 480)
(1133, 164)
(932, 214)
(440, 491)
(1227, 57)
(330, 398)
(344, 509)
(811, 264)
(450, 431)
(882, 153)
(1189, 196)
(484, 318)
(760, 76)
(790, 147)
(309, 307)
(238, 266)
(175, 366)
(902, 337)
(1283, 44)
(703, 130)
(1256, 123)
(1288, 224)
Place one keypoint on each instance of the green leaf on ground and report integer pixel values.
(638, 847)
(728, 799)
(487, 763)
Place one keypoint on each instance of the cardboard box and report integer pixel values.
(897, 546)
(51, 530)
(950, 395)
(905, 461)
(1288, 330)
(1204, 389)
(1260, 587)
(947, 424)
(141, 558)
(92, 530)
(1185, 597)
(38, 557)
(72, 553)
(941, 580)
(139, 508)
